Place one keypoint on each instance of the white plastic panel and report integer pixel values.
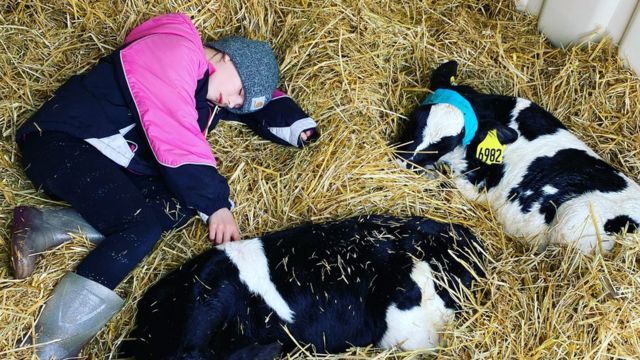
(620, 19)
(569, 21)
(531, 6)
(630, 45)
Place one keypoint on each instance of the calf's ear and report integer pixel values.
(506, 135)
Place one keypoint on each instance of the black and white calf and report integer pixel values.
(542, 182)
(356, 282)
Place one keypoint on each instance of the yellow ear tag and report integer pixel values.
(490, 150)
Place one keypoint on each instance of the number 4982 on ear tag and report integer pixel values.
(490, 150)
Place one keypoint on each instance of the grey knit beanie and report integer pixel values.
(257, 67)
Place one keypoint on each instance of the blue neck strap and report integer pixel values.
(446, 96)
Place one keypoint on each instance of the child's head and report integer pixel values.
(246, 72)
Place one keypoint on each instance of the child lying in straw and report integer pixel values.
(125, 140)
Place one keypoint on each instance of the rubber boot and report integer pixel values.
(35, 230)
(74, 314)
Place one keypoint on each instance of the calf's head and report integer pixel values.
(434, 130)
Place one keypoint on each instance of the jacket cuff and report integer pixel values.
(215, 207)
(292, 133)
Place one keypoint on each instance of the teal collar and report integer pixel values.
(446, 96)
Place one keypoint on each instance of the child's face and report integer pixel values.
(225, 85)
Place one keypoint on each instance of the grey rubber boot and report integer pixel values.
(35, 230)
(75, 313)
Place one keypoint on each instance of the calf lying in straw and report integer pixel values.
(543, 183)
(371, 280)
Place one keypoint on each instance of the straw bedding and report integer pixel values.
(358, 67)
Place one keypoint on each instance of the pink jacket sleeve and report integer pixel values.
(162, 71)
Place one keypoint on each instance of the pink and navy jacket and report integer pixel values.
(144, 106)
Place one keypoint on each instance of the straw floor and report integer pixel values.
(358, 67)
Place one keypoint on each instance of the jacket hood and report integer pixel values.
(172, 24)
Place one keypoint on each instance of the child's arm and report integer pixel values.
(204, 189)
(281, 121)
(163, 95)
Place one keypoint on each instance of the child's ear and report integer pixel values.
(506, 135)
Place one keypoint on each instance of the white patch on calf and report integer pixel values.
(574, 224)
(417, 328)
(547, 189)
(248, 256)
(456, 160)
(444, 120)
(521, 104)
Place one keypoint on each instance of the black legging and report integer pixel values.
(130, 210)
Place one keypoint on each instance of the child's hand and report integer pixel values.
(223, 227)
(306, 134)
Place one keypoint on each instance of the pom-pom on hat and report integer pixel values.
(257, 67)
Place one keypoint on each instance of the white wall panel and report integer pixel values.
(620, 19)
(531, 6)
(569, 21)
(630, 45)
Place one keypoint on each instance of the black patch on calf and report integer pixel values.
(407, 132)
(257, 352)
(491, 110)
(534, 121)
(572, 172)
(484, 176)
(619, 223)
(411, 297)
